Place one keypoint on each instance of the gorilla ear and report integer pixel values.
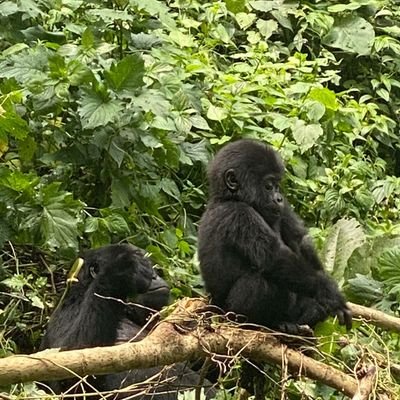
(230, 180)
(94, 270)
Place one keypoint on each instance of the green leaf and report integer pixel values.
(116, 152)
(221, 33)
(338, 8)
(87, 41)
(26, 66)
(121, 192)
(35, 300)
(109, 15)
(12, 124)
(91, 224)
(163, 123)
(199, 122)
(364, 289)
(263, 5)
(153, 7)
(96, 110)
(16, 48)
(30, 7)
(27, 149)
(145, 41)
(181, 39)
(216, 113)
(151, 141)
(314, 109)
(154, 101)
(8, 8)
(352, 34)
(235, 6)
(127, 75)
(325, 96)
(16, 282)
(58, 220)
(306, 135)
(388, 266)
(183, 123)
(343, 239)
(267, 28)
(169, 187)
(221, 140)
(383, 94)
(117, 224)
(58, 227)
(196, 151)
(245, 20)
(18, 181)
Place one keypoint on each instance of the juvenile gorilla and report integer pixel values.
(255, 255)
(88, 317)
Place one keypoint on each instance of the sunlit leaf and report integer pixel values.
(306, 135)
(216, 113)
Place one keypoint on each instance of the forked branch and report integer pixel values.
(184, 335)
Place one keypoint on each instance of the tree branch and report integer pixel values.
(184, 335)
(375, 317)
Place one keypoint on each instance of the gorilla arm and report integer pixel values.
(327, 295)
(234, 240)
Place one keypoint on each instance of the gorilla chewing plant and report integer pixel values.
(88, 317)
(255, 255)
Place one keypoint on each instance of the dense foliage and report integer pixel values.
(110, 110)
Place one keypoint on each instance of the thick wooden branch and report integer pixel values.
(178, 338)
(375, 317)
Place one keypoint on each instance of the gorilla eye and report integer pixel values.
(269, 186)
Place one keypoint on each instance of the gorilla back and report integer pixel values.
(88, 317)
(255, 255)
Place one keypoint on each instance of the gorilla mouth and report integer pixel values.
(157, 289)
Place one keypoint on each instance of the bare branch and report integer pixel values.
(181, 336)
(375, 317)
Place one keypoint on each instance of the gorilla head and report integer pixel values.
(250, 172)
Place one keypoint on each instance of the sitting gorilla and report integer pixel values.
(255, 255)
(87, 317)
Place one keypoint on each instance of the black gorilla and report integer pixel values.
(88, 317)
(255, 255)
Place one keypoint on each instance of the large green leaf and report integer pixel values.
(12, 124)
(351, 33)
(127, 74)
(388, 266)
(306, 135)
(58, 219)
(343, 238)
(98, 110)
(26, 66)
(364, 289)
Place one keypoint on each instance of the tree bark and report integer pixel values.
(181, 336)
(375, 317)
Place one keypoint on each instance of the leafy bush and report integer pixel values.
(109, 112)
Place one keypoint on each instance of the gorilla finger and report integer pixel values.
(340, 316)
(344, 317)
(348, 318)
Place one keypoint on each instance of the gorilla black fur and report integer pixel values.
(88, 317)
(255, 255)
